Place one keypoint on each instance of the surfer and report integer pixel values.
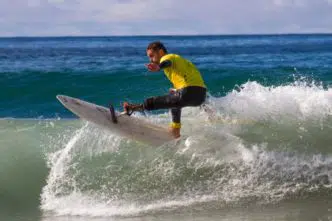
(188, 85)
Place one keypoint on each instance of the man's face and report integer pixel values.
(154, 55)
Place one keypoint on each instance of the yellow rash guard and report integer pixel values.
(182, 73)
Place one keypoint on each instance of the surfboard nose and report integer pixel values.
(62, 98)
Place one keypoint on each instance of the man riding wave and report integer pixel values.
(188, 85)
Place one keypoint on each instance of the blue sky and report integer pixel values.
(151, 17)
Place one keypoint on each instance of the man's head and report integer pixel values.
(155, 51)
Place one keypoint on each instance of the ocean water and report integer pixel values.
(267, 156)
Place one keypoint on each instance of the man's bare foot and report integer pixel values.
(175, 132)
(130, 108)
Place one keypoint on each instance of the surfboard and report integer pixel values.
(130, 127)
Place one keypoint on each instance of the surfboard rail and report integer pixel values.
(131, 127)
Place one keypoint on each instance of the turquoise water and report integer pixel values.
(111, 69)
(268, 156)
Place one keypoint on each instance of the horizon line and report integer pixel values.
(167, 35)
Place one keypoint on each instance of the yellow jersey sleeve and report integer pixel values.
(182, 73)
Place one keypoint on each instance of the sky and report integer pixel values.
(158, 17)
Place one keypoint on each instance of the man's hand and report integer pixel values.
(153, 67)
(172, 90)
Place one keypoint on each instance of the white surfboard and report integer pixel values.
(130, 127)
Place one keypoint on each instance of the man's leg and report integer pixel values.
(163, 102)
(176, 122)
(192, 96)
(176, 115)
(171, 101)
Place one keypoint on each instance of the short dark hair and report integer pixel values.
(156, 45)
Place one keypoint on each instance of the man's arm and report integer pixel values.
(165, 64)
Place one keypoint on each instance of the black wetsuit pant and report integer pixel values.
(185, 97)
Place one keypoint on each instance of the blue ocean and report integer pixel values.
(268, 157)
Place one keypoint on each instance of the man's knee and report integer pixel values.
(149, 103)
(162, 102)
